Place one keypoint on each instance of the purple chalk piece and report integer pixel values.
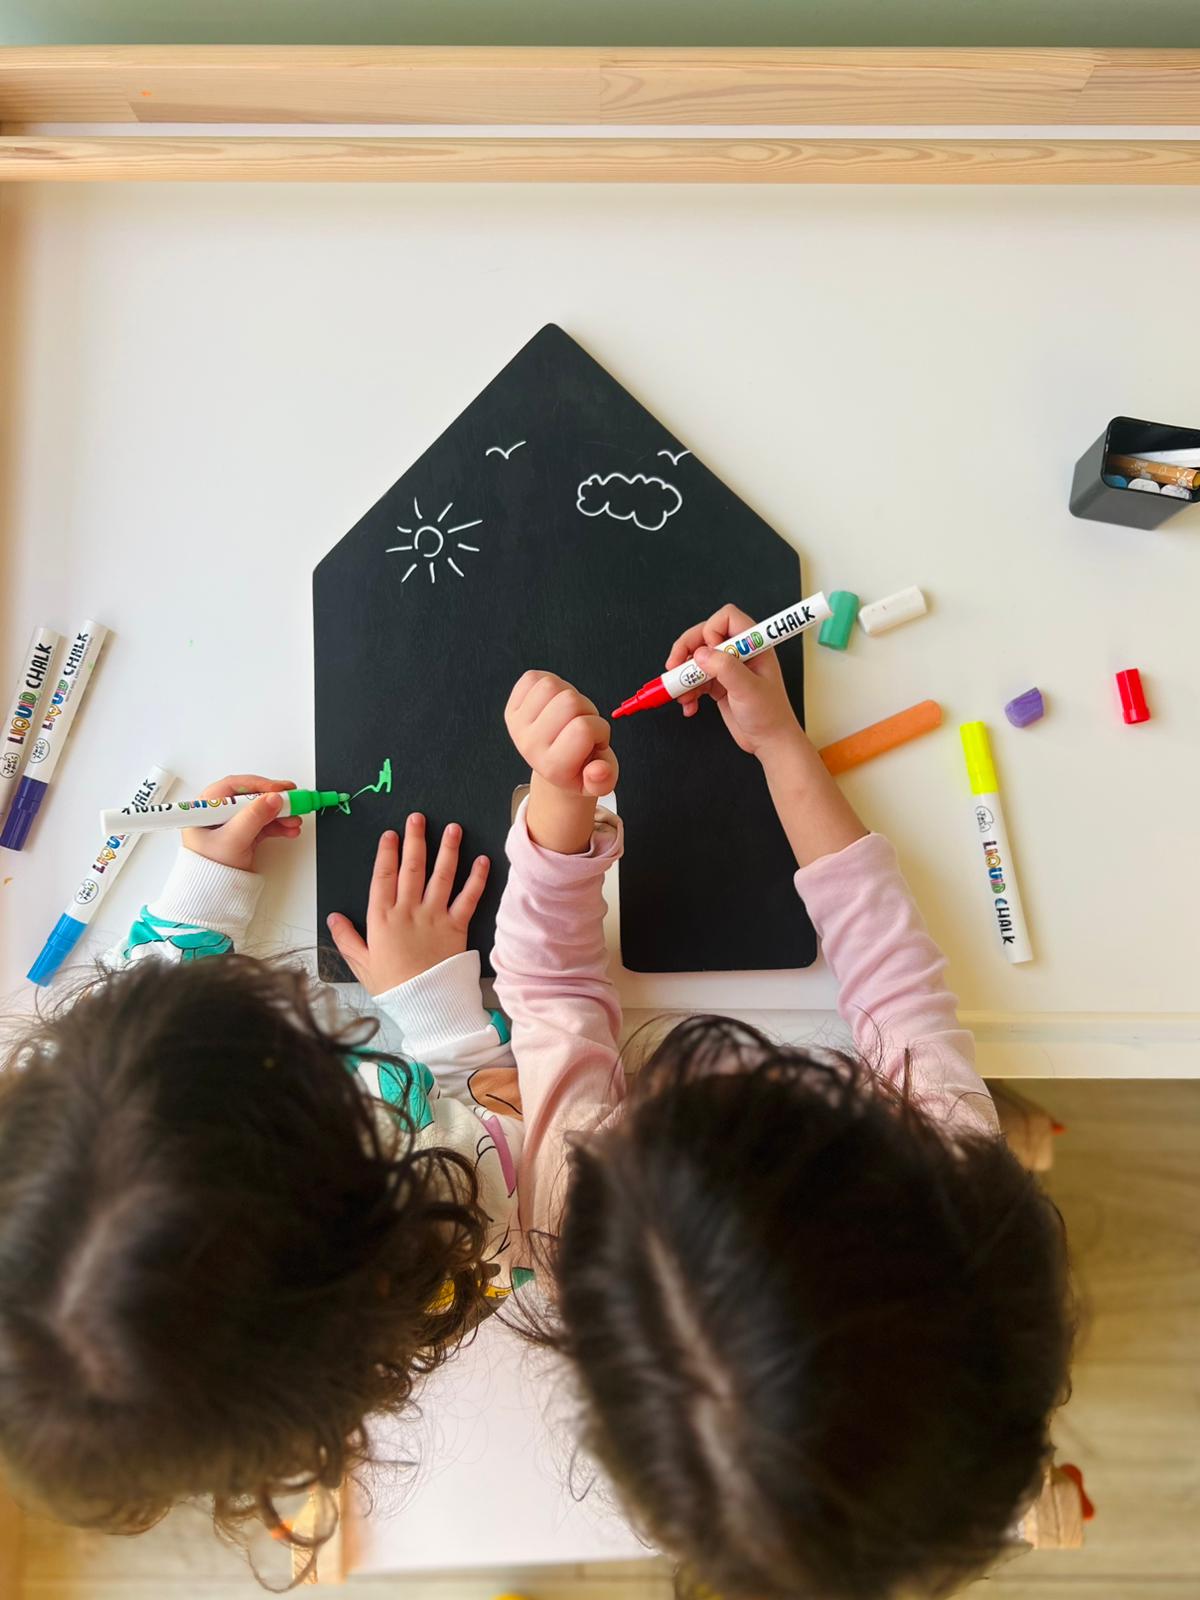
(1026, 708)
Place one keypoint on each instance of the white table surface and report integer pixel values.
(205, 386)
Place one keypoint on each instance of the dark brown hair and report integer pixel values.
(216, 1257)
(817, 1339)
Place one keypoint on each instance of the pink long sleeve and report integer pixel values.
(552, 979)
(891, 979)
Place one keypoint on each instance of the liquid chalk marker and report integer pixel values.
(35, 675)
(70, 686)
(995, 851)
(211, 813)
(762, 636)
(97, 881)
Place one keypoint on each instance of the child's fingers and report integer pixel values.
(577, 742)
(382, 895)
(350, 944)
(554, 703)
(599, 776)
(244, 783)
(730, 675)
(517, 694)
(684, 646)
(242, 830)
(410, 886)
(531, 692)
(283, 828)
(690, 700)
(567, 708)
(441, 879)
(723, 624)
(466, 901)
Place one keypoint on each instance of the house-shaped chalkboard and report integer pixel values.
(555, 524)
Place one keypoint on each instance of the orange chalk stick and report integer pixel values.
(880, 737)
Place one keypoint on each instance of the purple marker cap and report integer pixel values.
(1026, 708)
(28, 798)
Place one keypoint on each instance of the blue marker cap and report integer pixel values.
(26, 802)
(66, 935)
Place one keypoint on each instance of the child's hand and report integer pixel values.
(561, 735)
(750, 694)
(566, 743)
(233, 843)
(411, 925)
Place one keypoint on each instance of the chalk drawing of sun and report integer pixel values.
(428, 541)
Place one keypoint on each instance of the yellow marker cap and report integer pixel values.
(980, 770)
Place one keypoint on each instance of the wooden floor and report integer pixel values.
(1127, 1177)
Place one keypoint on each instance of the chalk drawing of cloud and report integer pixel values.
(646, 502)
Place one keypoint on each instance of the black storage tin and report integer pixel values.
(1097, 501)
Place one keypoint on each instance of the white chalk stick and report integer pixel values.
(1171, 458)
(900, 607)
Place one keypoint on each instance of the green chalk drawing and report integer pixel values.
(382, 784)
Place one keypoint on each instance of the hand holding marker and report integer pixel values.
(236, 795)
(211, 810)
(766, 635)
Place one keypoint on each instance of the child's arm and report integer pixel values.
(890, 973)
(212, 891)
(550, 956)
(414, 961)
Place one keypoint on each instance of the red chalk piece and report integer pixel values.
(1133, 701)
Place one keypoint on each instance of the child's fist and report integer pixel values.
(234, 843)
(560, 734)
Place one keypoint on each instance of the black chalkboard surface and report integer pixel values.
(555, 524)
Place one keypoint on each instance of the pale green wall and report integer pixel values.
(1029, 22)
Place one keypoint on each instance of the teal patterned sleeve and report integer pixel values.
(182, 941)
(407, 1086)
(204, 910)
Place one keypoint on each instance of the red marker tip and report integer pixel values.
(650, 694)
(619, 712)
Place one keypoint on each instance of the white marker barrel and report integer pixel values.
(997, 856)
(176, 814)
(15, 737)
(765, 635)
(67, 692)
(211, 813)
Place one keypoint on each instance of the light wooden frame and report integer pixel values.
(731, 105)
